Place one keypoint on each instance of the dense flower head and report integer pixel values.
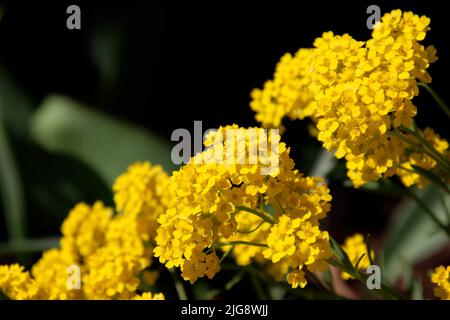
(141, 191)
(51, 274)
(249, 227)
(355, 247)
(213, 199)
(102, 255)
(113, 273)
(441, 277)
(17, 284)
(355, 92)
(84, 229)
(287, 94)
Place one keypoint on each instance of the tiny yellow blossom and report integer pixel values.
(17, 284)
(441, 277)
(355, 247)
(149, 296)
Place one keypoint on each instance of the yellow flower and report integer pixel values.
(281, 240)
(355, 247)
(214, 202)
(441, 277)
(149, 296)
(52, 274)
(142, 191)
(296, 279)
(352, 90)
(17, 284)
(414, 158)
(112, 273)
(84, 229)
(111, 251)
(249, 228)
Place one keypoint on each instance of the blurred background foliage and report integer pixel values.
(78, 106)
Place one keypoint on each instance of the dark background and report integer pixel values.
(164, 64)
(180, 61)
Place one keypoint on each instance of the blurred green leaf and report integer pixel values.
(15, 106)
(416, 289)
(324, 163)
(50, 194)
(108, 145)
(11, 189)
(29, 245)
(202, 290)
(412, 236)
(238, 277)
(15, 109)
(432, 177)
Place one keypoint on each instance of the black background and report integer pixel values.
(187, 60)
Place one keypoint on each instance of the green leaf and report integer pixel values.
(11, 189)
(340, 253)
(202, 290)
(432, 177)
(29, 245)
(416, 289)
(412, 235)
(15, 106)
(359, 261)
(108, 145)
(233, 281)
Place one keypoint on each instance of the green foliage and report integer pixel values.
(108, 145)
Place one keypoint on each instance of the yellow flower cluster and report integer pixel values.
(101, 255)
(141, 193)
(251, 228)
(215, 201)
(441, 277)
(412, 158)
(17, 284)
(355, 247)
(356, 93)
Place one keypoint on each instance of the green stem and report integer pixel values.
(316, 280)
(369, 248)
(225, 254)
(430, 213)
(28, 245)
(178, 286)
(279, 204)
(385, 291)
(420, 137)
(11, 190)
(234, 243)
(252, 230)
(427, 174)
(444, 205)
(441, 103)
(258, 287)
(420, 147)
(266, 217)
